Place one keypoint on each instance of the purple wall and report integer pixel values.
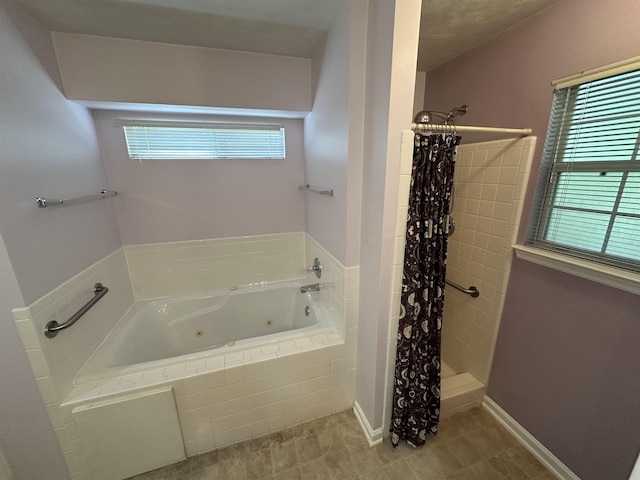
(567, 356)
(173, 201)
(47, 146)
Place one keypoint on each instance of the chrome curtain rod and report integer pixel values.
(436, 128)
(50, 202)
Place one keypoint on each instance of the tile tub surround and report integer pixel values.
(244, 396)
(470, 445)
(55, 361)
(342, 296)
(318, 374)
(179, 268)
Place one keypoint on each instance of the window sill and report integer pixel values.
(610, 276)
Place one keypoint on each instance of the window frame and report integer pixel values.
(574, 260)
(214, 129)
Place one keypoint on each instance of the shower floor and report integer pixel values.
(459, 391)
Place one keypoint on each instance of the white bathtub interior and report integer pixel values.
(202, 327)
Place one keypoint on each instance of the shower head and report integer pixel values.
(427, 116)
(454, 112)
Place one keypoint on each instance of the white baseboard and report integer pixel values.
(374, 437)
(548, 459)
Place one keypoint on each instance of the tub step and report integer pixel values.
(460, 392)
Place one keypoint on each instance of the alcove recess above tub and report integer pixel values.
(328, 191)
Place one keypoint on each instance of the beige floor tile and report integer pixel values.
(260, 443)
(504, 464)
(469, 446)
(231, 470)
(424, 465)
(339, 465)
(400, 470)
(204, 461)
(364, 459)
(308, 448)
(445, 458)
(352, 434)
(233, 452)
(259, 464)
(291, 474)
(467, 451)
(527, 462)
(478, 471)
(284, 456)
(315, 470)
(546, 475)
(331, 439)
(487, 444)
(387, 454)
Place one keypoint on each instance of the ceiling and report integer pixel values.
(282, 27)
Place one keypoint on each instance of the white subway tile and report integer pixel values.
(31, 338)
(303, 342)
(288, 352)
(47, 390)
(38, 363)
(192, 417)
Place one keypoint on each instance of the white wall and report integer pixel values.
(418, 99)
(132, 71)
(391, 56)
(5, 471)
(26, 438)
(178, 200)
(333, 137)
(47, 147)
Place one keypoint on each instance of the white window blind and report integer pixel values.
(191, 140)
(588, 198)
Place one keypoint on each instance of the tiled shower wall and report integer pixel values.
(490, 182)
(406, 163)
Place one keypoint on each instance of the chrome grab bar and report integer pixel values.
(472, 291)
(54, 327)
(328, 191)
(52, 202)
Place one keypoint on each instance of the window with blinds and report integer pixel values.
(199, 141)
(588, 199)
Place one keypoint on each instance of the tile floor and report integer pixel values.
(470, 446)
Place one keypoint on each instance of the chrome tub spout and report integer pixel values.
(314, 287)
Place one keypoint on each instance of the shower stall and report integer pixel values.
(489, 187)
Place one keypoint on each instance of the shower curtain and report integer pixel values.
(416, 396)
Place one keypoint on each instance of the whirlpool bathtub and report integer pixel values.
(209, 328)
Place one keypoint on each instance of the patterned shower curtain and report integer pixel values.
(416, 396)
